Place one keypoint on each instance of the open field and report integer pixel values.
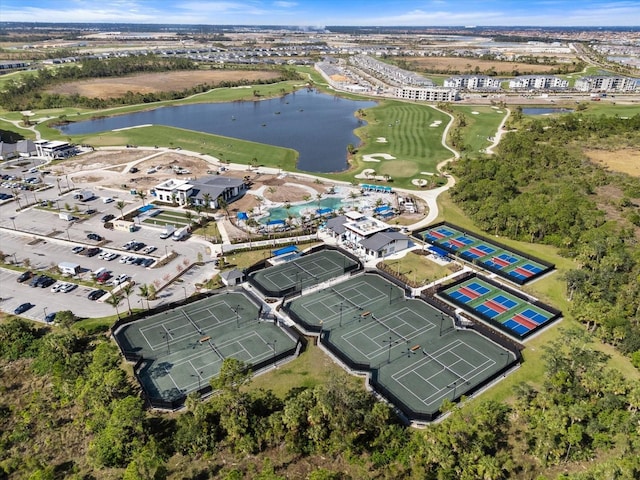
(480, 125)
(418, 268)
(473, 65)
(158, 82)
(625, 160)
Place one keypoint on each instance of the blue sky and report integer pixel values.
(330, 12)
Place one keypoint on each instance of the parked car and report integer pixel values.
(23, 308)
(96, 294)
(91, 252)
(91, 211)
(138, 246)
(119, 279)
(107, 218)
(95, 236)
(67, 287)
(50, 317)
(34, 281)
(46, 281)
(111, 256)
(24, 276)
(103, 277)
(148, 262)
(78, 249)
(149, 249)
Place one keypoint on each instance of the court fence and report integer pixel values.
(296, 288)
(177, 402)
(556, 314)
(166, 307)
(548, 266)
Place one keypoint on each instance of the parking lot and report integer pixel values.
(38, 236)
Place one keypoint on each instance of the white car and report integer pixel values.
(119, 279)
(124, 259)
(67, 287)
(57, 287)
(111, 256)
(149, 249)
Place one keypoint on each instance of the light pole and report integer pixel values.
(185, 292)
(166, 252)
(13, 220)
(341, 307)
(390, 292)
(45, 312)
(237, 316)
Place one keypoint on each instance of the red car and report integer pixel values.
(103, 277)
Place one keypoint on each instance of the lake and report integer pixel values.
(317, 125)
(544, 110)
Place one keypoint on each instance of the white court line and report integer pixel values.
(412, 369)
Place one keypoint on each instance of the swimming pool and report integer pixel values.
(281, 213)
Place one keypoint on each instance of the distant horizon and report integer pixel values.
(320, 13)
(317, 28)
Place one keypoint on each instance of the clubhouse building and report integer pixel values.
(206, 192)
(366, 236)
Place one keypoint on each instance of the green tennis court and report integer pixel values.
(416, 356)
(302, 272)
(184, 348)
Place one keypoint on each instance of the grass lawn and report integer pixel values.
(480, 126)
(418, 268)
(607, 108)
(224, 148)
(311, 368)
(409, 138)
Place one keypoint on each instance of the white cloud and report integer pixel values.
(282, 4)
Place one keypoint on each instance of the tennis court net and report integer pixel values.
(198, 329)
(348, 300)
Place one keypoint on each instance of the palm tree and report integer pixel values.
(127, 290)
(206, 197)
(144, 292)
(141, 195)
(318, 197)
(174, 197)
(120, 204)
(189, 216)
(222, 204)
(114, 300)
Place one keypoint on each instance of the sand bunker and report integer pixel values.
(381, 140)
(419, 182)
(475, 113)
(426, 173)
(373, 157)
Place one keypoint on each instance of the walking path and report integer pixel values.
(501, 131)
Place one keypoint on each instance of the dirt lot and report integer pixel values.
(110, 168)
(626, 160)
(156, 82)
(468, 65)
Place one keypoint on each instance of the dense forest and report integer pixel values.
(69, 410)
(27, 92)
(541, 187)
